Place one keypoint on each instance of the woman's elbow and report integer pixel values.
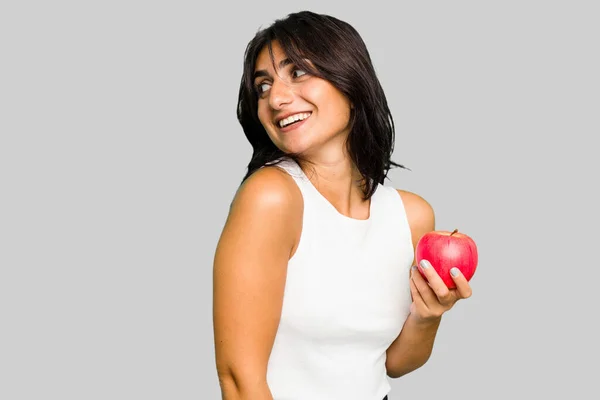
(397, 371)
(238, 385)
(229, 390)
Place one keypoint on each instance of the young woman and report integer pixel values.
(314, 294)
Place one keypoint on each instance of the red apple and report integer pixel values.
(445, 250)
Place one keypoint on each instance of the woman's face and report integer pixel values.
(301, 113)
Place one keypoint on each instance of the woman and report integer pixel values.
(314, 294)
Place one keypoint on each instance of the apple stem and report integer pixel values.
(453, 232)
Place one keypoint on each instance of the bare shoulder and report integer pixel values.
(266, 212)
(268, 189)
(420, 214)
(268, 201)
(419, 210)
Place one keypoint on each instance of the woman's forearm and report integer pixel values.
(412, 348)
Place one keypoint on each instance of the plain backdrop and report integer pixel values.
(120, 153)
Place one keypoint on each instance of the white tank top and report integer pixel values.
(346, 298)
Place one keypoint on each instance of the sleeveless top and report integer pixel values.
(346, 298)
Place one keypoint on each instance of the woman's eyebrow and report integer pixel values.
(262, 72)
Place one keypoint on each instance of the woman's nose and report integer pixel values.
(280, 94)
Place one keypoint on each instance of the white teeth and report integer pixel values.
(293, 118)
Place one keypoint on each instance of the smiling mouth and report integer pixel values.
(293, 120)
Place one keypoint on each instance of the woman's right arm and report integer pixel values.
(249, 274)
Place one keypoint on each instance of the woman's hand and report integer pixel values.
(431, 297)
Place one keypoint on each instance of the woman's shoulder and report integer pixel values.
(419, 213)
(415, 202)
(267, 208)
(269, 188)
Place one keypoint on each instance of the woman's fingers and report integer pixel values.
(416, 296)
(425, 291)
(462, 285)
(444, 295)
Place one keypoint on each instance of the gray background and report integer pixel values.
(120, 153)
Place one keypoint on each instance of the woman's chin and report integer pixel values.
(296, 146)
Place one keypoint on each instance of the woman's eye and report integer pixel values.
(298, 73)
(263, 87)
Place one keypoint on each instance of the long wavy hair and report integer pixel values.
(339, 55)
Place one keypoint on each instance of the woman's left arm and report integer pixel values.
(431, 298)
